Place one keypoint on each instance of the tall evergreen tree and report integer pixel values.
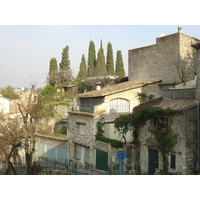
(65, 73)
(109, 60)
(100, 69)
(65, 62)
(119, 69)
(82, 69)
(53, 72)
(91, 59)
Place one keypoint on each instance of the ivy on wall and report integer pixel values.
(165, 143)
(165, 139)
(99, 136)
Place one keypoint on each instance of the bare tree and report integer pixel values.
(29, 112)
(11, 138)
(58, 78)
(65, 75)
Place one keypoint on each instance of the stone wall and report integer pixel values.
(172, 59)
(52, 141)
(47, 124)
(198, 73)
(184, 125)
(191, 140)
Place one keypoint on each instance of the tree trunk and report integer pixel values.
(165, 164)
(29, 170)
(13, 169)
(7, 167)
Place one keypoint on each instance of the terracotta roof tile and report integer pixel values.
(118, 88)
(178, 105)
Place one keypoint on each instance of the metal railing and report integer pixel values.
(43, 166)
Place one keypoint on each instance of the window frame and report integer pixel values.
(173, 161)
(79, 125)
(160, 123)
(77, 152)
(119, 105)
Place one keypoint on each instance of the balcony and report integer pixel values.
(89, 109)
(86, 109)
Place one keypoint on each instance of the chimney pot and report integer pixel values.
(98, 85)
(180, 29)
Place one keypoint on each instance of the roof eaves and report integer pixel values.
(116, 90)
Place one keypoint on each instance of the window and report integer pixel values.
(119, 105)
(81, 128)
(77, 152)
(87, 155)
(173, 161)
(160, 123)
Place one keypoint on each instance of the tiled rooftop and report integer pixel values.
(178, 105)
(118, 88)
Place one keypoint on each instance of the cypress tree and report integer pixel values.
(53, 72)
(101, 66)
(119, 65)
(82, 69)
(91, 59)
(65, 62)
(65, 73)
(109, 60)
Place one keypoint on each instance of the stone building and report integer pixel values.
(172, 59)
(53, 148)
(175, 59)
(103, 105)
(52, 136)
(183, 159)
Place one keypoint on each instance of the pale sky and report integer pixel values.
(25, 50)
(33, 32)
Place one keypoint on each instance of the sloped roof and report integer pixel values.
(118, 88)
(177, 105)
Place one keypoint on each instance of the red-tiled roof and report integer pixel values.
(178, 105)
(118, 88)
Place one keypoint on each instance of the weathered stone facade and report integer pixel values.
(48, 124)
(171, 59)
(87, 120)
(52, 148)
(184, 125)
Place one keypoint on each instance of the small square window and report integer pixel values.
(81, 128)
(160, 123)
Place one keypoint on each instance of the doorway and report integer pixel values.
(152, 161)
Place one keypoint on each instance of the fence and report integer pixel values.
(43, 166)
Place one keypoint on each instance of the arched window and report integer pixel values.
(119, 105)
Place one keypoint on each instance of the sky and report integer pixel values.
(26, 50)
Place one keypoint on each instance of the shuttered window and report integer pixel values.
(173, 161)
(77, 152)
(119, 105)
(86, 155)
(81, 128)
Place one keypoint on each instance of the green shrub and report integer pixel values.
(114, 143)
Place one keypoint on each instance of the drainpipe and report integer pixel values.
(198, 132)
(198, 124)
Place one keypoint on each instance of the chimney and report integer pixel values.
(98, 85)
(180, 29)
